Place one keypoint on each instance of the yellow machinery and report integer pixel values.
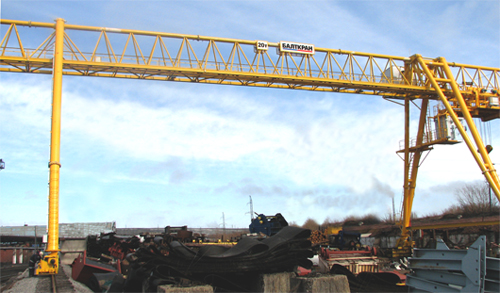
(464, 90)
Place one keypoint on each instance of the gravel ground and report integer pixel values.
(25, 284)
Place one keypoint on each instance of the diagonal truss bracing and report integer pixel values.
(174, 57)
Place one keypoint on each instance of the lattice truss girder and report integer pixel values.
(106, 52)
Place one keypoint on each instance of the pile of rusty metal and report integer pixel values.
(111, 245)
(391, 281)
(236, 268)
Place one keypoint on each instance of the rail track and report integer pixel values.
(60, 283)
(55, 283)
(9, 271)
(9, 274)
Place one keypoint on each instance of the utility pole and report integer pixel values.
(223, 226)
(251, 209)
(393, 211)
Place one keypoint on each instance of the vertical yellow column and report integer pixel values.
(406, 187)
(50, 263)
(417, 154)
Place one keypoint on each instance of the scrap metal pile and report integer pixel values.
(236, 268)
(112, 245)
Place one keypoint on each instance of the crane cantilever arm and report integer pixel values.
(483, 160)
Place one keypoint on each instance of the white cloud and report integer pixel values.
(157, 133)
(316, 143)
(309, 150)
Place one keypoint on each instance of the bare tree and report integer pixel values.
(310, 224)
(475, 199)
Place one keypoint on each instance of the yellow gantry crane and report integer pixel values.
(465, 91)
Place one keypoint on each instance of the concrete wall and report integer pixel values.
(82, 230)
(70, 249)
(70, 230)
(28, 231)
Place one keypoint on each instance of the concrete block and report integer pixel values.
(279, 282)
(194, 289)
(328, 283)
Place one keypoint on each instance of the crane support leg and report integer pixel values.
(49, 265)
(411, 170)
(484, 160)
(406, 217)
(417, 155)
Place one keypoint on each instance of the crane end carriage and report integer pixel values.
(49, 264)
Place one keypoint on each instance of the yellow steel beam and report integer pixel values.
(489, 169)
(484, 163)
(411, 170)
(406, 214)
(50, 262)
(206, 60)
(134, 71)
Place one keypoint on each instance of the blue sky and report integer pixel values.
(151, 154)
